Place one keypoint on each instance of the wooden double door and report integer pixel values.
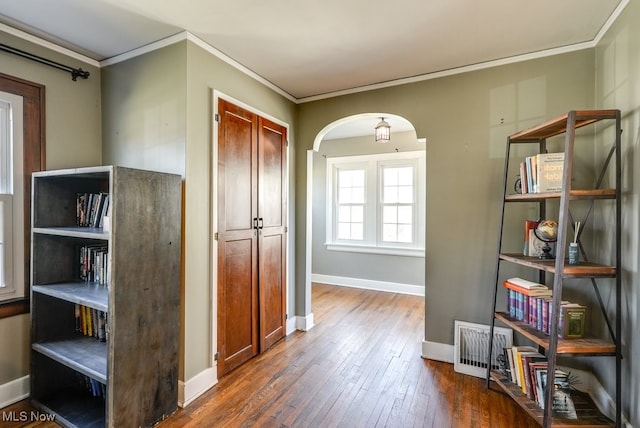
(251, 235)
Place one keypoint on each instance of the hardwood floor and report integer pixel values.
(360, 366)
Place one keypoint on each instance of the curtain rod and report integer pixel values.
(75, 72)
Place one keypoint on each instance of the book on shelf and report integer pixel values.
(571, 323)
(550, 169)
(542, 173)
(529, 225)
(526, 287)
(91, 209)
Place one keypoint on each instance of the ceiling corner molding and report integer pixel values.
(235, 64)
(454, 71)
(612, 18)
(167, 41)
(45, 44)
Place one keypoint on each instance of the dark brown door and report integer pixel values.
(252, 238)
(272, 162)
(238, 339)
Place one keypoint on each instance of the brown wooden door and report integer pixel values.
(238, 339)
(272, 163)
(252, 235)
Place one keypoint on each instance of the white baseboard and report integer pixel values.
(437, 351)
(305, 323)
(196, 386)
(369, 284)
(14, 391)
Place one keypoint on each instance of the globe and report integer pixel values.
(546, 231)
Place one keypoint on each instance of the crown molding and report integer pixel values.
(46, 44)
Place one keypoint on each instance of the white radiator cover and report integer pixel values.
(471, 347)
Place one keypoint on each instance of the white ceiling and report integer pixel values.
(311, 49)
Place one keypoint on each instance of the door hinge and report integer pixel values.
(286, 143)
(216, 356)
(216, 117)
(286, 316)
(286, 229)
(216, 236)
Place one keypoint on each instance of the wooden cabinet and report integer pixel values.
(128, 376)
(558, 268)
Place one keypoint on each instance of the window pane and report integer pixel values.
(344, 214)
(390, 176)
(357, 214)
(357, 231)
(344, 178)
(405, 233)
(357, 178)
(390, 195)
(357, 195)
(344, 195)
(390, 214)
(405, 215)
(344, 230)
(405, 176)
(405, 194)
(389, 232)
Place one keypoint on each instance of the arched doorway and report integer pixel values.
(378, 258)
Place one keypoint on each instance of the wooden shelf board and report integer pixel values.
(573, 194)
(588, 414)
(89, 294)
(74, 232)
(558, 125)
(584, 346)
(83, 354)
(73, 409)
(581, 270)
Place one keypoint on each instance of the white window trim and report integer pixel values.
(373, 165)
(13, 206)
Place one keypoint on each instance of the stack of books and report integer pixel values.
(542, 173)
(528, 370)
(532, 303)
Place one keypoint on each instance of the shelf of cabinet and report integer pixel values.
(558, 125)
(573, 195)
(584, 346)
(73, 232)
(581, 270)
(89, 294)
(72, 409)
(588, 414)
(83, 354)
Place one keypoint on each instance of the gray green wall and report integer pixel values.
(617, 85)
(72, 140)
(465, 119)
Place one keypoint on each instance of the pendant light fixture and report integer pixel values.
(383, 131)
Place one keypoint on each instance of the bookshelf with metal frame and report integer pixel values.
(559, 268)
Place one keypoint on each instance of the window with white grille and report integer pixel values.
(376, 203)
(11, 197)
